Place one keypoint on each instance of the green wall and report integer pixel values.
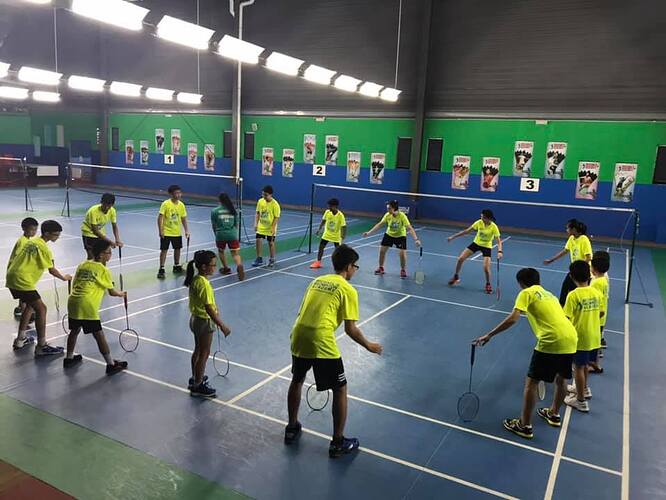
(605, 142)
(77, 126)
(15, 128)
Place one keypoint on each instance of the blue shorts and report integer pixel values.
(584, 358)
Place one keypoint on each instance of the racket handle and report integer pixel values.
(125, 301)
(473, 353)
(69, 287)
(120, 253)
(421, 251)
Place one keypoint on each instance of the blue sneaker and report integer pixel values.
(259, 261)
(21, 343)
(271, 262)
(190, 382)
(347, 445)
(48, 350)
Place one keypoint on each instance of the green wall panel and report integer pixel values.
(15, 128)
(77, 126)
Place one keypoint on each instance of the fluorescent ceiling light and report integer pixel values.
(13, 93)
(370, 89)
(40, 95)
(34, 75)
(389, 94)
(187, 98)
(317, 74)
(85, 83)
(38, 1)
(117, 12)
(159, 94)
(4, 69)
(125, 89)
(348, 83)
(184, 33)
(239, 50)
(283, 63)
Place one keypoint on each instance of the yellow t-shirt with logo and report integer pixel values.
(328, 301)
(23, 239)
(268, 211)
(602, 286)
(485, 233)
(582, 307)
(201, 294)
(396, 224)
(29, 264)
(173, 213)
(91, 280)
(554, 332)
(334, 225)
(95, 218)
(578, 247)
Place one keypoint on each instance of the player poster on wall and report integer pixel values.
(144, 152)
(377, 164)
(556, 155)
(522, 158)
(288, 162)
(175, 141)
(309, 148)
(159, 140)
(192, 153)
(129, 152)
(209, 157)
(624, 181)
(353, 166)
(332, 149)
(460, 173)
(587, 182)
(267, 161)
(490, 174)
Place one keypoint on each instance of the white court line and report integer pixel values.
(552, 478)
(626, 396)
(495, 245)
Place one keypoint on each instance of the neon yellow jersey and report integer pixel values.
(583, 307)
(485, 233)
(29, 264)
(396, 224)
(579, 247)
(97, 219)
(328, 301)
(201, 294)
(268, 211)
(91, 280)
(23, 239)
(334, 225)
(173, 214)
(554, 332)
(602, 286)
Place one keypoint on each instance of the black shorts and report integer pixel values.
(323, 243)
(88, 242)
(328, 373)
(485, 251)
(399, 242)
(584, 358)
(175, 241)
(545, 366)
(27, 296)
(265, 237)
(88, 325)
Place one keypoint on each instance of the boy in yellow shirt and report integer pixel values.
(94, 224)
(328, 301)
(29, 226)
(336, 229)
(23, 274)
(583, 308)
(172, 215)
(91, 280)
(397, 225)
(265, 225)
(600, 266)
(553, 353)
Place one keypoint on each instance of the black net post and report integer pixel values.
(312, 200)
(24, 168)
(631, 254)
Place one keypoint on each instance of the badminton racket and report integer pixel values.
(419, 276)
(56, 294)
(317, 400)
(65, 318)
(128, 338)
(497, 278)
(541, 390)
(187, 249)
(120, 259)
(220, 359)
(468, 403)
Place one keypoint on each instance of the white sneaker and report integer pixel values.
(21, 343)
(587, 393)
(572, 400)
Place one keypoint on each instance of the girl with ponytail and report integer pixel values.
(204, 319)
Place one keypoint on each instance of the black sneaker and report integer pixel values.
(161, 274)
(190, 383)
(68, 363)
(347, 445)
(603, 343)
(203, 390)
(116, 367)
(554, 420)
(514, 425)
(178, 269)
(292, 433)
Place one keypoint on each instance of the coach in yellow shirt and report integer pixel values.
(172, 214)
(94, 224)
(265, 225)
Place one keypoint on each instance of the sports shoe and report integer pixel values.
(178, 269)
(116, 367)
(18, 311)
(190, 383)
(587, 393)
(379, 270)
(572, 400)
(21, 343)
(271, 262)
(240, 270)
(603, 340)
(48, 350)
(514, 425)
(403, 274)
(489, 288)
(454, 281)
(554, 420)
(69, 362)
(316, 265)
(292, 433)
(259, 261)
(203, 390)
(225, 271)
(161, 274)
(347, 445)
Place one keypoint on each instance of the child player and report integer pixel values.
(225, 220)
(94, 224)
(336, 229)
(265, 225)
(29, 226)
(553, 353)
(172, 215)
(600, 266)
(397, 225)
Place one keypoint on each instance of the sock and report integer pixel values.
(108, 358)
(21, 334)
(69, 355)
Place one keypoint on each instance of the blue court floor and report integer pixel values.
(402, 405)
